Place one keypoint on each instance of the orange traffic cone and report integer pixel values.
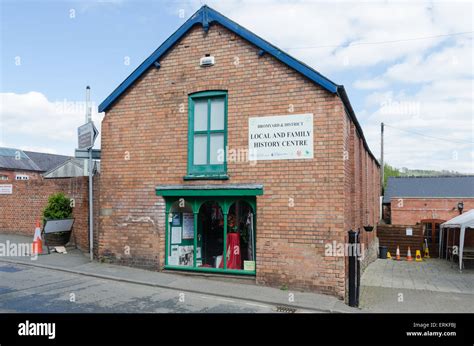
(409, 258)
(398, 253)
(37, 241)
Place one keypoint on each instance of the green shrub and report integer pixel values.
(58, 207)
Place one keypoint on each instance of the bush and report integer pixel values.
(58, 207)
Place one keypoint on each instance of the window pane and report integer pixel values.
(217, 114)
(217, 149)
(200, 149)
(200, 115)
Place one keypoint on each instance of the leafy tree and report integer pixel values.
(58, 207)
(389, 171)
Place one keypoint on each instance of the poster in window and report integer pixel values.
(188, 226)
(176, 235)
(186, 255)
(175, 221)
(173, 259)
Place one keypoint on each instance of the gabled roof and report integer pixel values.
(73, 167)
(16, 159)
(46, 161)
(207, 16)
(426, 187)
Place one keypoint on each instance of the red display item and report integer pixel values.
(234, 260)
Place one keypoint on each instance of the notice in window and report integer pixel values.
(175, 235)
(281, 137)
(188, 226)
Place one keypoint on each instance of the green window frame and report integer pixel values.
(207, 170)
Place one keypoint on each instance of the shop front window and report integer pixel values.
(240, 237)
(181, 235)
(211, 234)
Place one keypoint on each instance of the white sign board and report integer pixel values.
(281, 137)
(86, 135)
(409, 231)
(6, 189)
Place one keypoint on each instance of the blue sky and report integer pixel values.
(50, 50)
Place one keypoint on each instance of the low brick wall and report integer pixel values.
(20, 210)
(395, 235)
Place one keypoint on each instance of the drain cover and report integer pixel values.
(285, 309)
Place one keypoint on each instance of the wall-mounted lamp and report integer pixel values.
(460, 207)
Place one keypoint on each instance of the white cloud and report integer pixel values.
(451, 62)
(370, 84)
(418, 123)
(296, 24)
(32, 122)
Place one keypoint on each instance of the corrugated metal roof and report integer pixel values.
(424, 187)
(71, 168)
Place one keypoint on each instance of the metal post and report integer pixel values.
(381, 159)
(352, 271)
(91, 216)
(357, 259)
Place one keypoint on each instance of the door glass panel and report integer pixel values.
(217, 149)
(428, 230)
(200, 149)
(200, 115)
(217, 114)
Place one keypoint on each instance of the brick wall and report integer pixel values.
(20, 210)
(144, 144)
(362, 191)
(12, 174)
(409, 211)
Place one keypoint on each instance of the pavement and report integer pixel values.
(76, 263)
(434, 285)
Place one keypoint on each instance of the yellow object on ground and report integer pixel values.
(418, 256)
(388, 255)
(427, 252)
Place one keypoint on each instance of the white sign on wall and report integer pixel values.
(6, 189)
(281, 137)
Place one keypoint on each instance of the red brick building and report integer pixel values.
(428, 201)
(221, 146)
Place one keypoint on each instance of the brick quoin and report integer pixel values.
(144, 144)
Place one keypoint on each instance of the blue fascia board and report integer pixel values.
(206, 16)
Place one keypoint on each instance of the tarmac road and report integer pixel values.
(33, 290)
